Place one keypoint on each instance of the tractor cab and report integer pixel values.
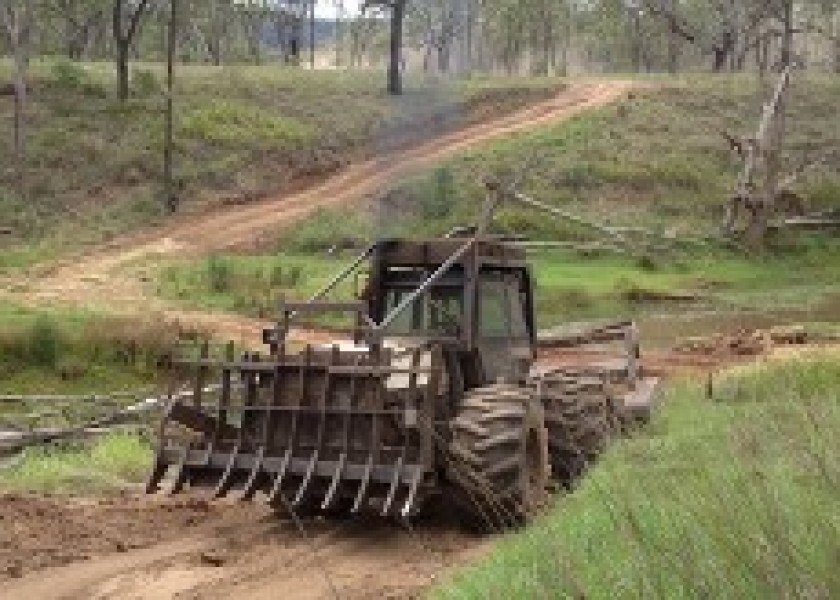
(481, 307)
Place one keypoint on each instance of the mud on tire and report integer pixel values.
(498, 457)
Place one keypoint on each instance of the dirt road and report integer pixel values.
(113, 277)
(135, 547)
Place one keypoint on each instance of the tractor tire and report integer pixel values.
(580, 423)
(498, 457)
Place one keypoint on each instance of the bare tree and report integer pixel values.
(126, 20)
(17, 18)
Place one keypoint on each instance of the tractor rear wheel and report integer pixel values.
(498, 459)
(578, 418)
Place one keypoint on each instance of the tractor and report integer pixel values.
(437, 396)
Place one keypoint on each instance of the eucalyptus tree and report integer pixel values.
(126, 18)
(17, 20)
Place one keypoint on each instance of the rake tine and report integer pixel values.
(208, 454)
(395, 482)
(226, 481)
(254, 478)
(408, 507)
(363, 486)
(328, 499)
(181, 477)
(155, 477)
(276, 489)
(307, 479)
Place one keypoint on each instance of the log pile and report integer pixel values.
(746, 342)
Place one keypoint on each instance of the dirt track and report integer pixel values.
(112, 277)
(135, 547)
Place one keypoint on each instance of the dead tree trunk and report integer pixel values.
(762, 151)
(772, 140)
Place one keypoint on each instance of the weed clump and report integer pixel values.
(45, 342)
(219, 274)
(68, 76)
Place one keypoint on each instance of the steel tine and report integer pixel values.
(277, 488)
(155, 477)
(181, 473)
(413, 486)
(395, 482)
(307, 479)
(363, 486)
(208, 454)
(254, 478)
(226, 481)
(336, 480)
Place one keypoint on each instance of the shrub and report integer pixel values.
(145, 82)
(439, 203)
(44, 342)
(219, 274)
(69, 76)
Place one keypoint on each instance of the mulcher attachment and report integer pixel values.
(320, 432)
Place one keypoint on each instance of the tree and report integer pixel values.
(126, 20)
(170, 194)
(397, 22)
(79, 19)
(17, 19)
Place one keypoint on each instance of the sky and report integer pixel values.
(325, 9)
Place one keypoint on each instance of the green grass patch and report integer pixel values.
(114, 461)
(229, 121)
(735, 497)
(569, 286)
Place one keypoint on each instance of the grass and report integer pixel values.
(116, 460)
(94, 166)
(72, 351)
(735, 497)
(569, 286)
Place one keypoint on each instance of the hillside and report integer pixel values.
(93, 166)
(655, 160)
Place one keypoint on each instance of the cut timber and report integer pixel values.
(807, 224)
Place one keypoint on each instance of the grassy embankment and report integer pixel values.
(735, 497)
(93, 165)
(656, 161)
